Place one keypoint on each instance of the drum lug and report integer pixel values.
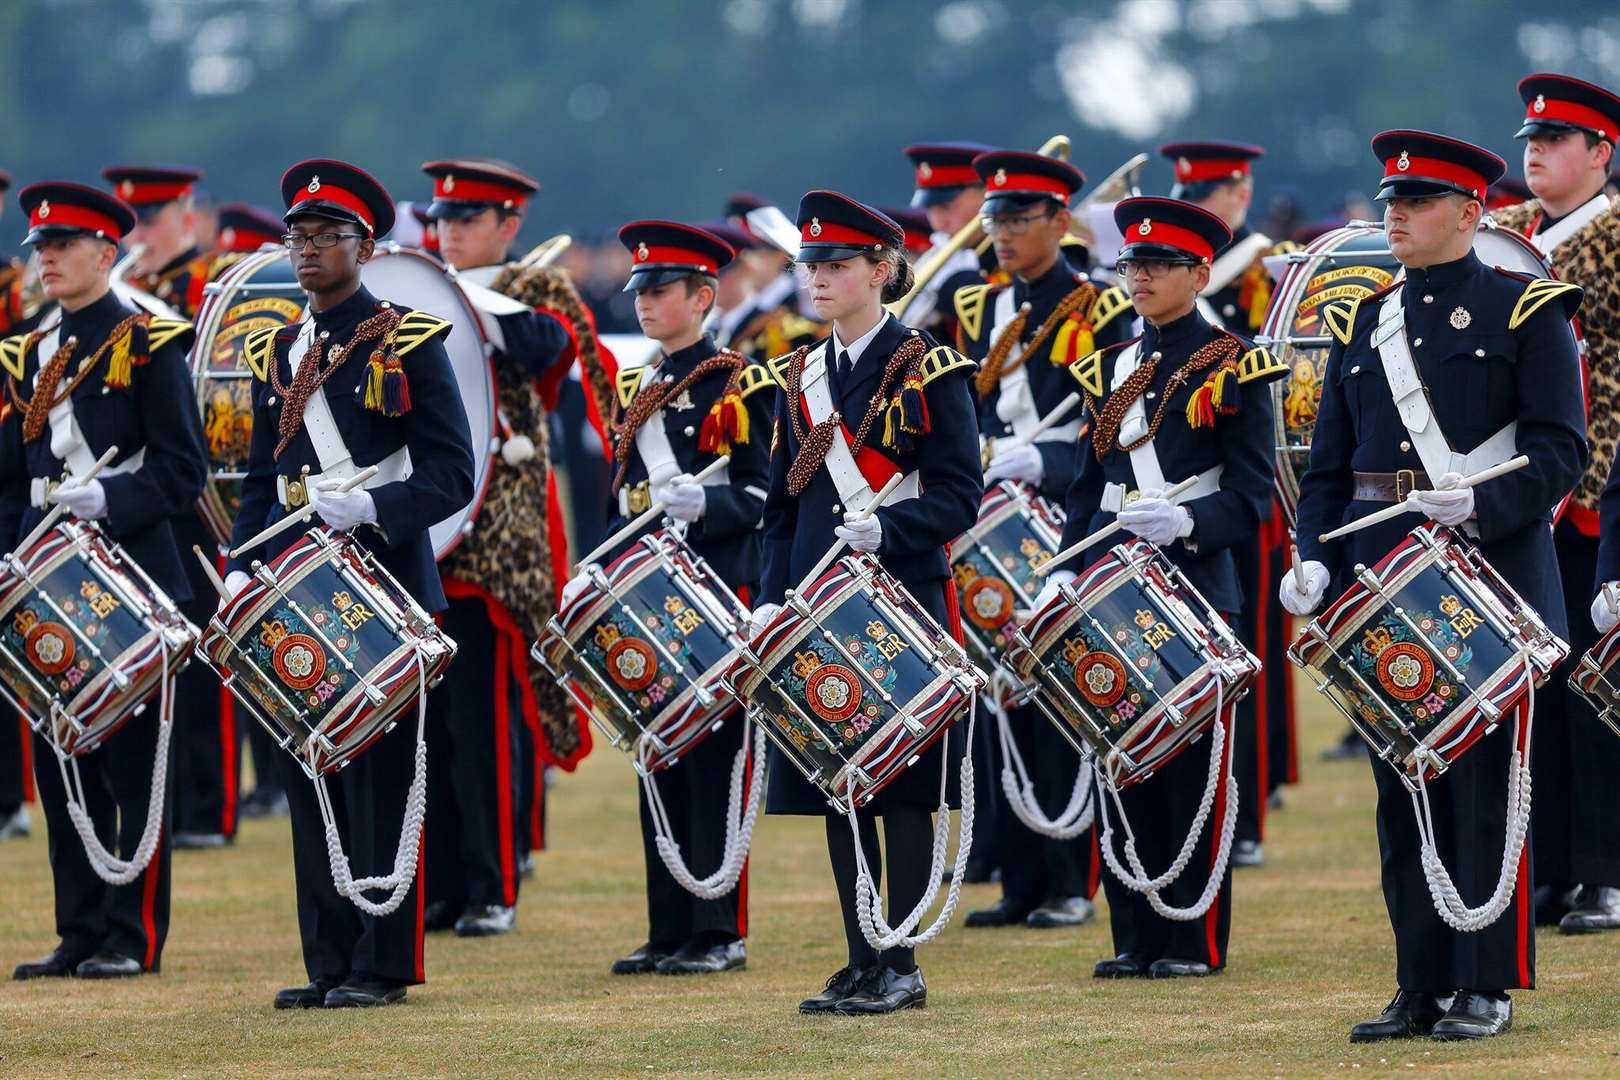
(376, 696)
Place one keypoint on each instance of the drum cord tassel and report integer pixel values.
(740, 818)
(1019, 789)
(398, 883)
(1220, 752)
(869, 905)
(108, 867)
(1448, 902)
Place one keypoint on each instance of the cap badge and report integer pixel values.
(925, 170)
(1000, 179)
(642, 254)
(1460, 319)
(1145, 228)
(127, 188)
(1403, 162)
(314, 185)
(44, 209)
(1183, 166)
(227, 236)
(815, 226)
(1540, 105)
(449, 183)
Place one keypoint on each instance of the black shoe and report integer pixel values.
(1248, 853)
(1123, 966)
(261, 803)
(56, 965)
(1409, 1015)
(643, 961)
(361, 993)
(1001, 913)
(1553, 902)
(843, 983)
(197, 841)
(885, 991)
(1178, 969)
(312, 996)
(1474, 1016)
(1596, 909)
(1071, 911)
(695, 959)
(439, 915)
(16, 825)
(108, 965)
(486, 920)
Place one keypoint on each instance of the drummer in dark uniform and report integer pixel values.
(172, 267)
(948, 189)
(1184, 399)
(123, 375)
(778, 319)
(1494, 349)
(1024, 335)
(673, 415)
(335, 214)
(875, 365)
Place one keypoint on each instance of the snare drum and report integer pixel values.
(325, 649)
(853, 680)
(82, 636)
(1129, 661)
(642, 649)
(1596, 679)
(1427, 651)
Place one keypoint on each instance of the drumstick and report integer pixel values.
(1397, 509)
(838, 546)
(1106, 531)
(1063, 409)
(213, 575)
(647, 515)
(1299, 567)
(303, 515)
(56, 512)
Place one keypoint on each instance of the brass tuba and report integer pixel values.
(1123, 183)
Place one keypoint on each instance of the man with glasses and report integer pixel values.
(362, 382)
(1025, 334)
(1185, 399)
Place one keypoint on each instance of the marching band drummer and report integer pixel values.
(1492, 355)
(1025, 335)
(673, 416)
(317, 407)
(914, 404)
(951, 193)
(1186, 398)
(100, 375)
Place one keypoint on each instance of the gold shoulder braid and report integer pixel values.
(995, 364)
(906, 412)
(1223, 351)
(125, 354)
(726, 423)
(310, 376)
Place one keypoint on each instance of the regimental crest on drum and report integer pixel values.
(619, 645)
(822, 678)
(37, 631)
(632, 664)
(1097, 666)
(50, 647)
(1401, 663)
(299, 660)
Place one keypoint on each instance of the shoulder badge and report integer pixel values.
(1340, 319)
(779, 366)
(415, 328)
(626, 382)
(1538, 292)
(1259, 363)
(11, 355)
(942, 360)
(159, 332)
(969, 302)
(258, 349)
(754, 377)
(1109, 304)
(1087, 371)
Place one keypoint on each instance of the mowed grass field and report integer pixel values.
(1310, 955)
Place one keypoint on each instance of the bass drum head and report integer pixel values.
(259, 290)
(414, 280)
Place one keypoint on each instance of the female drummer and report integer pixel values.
(907, 405)
(1184, 399)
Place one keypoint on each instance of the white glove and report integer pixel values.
(1604, 612)
(344, 510)
(1020, 461)
(761, 618)
(860, 533)
(1447, 504)
(577, 584)
(235, 582)
(83, 500)
(1054, 581)
(1156, 520)
(684, 500)
(1316, 583)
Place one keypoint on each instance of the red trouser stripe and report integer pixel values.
(25, 735)
(1212, 917)
(1262, 648)
(1096, 859)
(149, 888)
(503, 775)
(748, 778)
(1521, 887)
(421, 905)
(230, 779)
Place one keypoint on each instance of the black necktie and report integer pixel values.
(844, 366)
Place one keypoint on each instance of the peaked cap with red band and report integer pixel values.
(943, 169)
(1554, 103)
(834, 227)
(665, 251)
(321, 187)
(1017, 178)
(1155, 228)
(1420, 164)
(466, 187)
(61, 209)
(914, 224)
(1199, 162)
(247, 228)
(149, 188)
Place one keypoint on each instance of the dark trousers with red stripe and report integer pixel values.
(696, 793)
(1469, 805)
(1161, 809)
(91, 916)
(1249, 761)
(1037, 868)
(368, 804)
(15, 754)
(207, 775)
(474, 716)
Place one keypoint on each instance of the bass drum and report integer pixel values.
(1349, 263)
(414, 280)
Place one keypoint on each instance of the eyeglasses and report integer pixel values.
(297, 241)
(1011, 226)
(1148, 268)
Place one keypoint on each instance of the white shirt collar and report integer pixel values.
(858, 346)
(1572, 223)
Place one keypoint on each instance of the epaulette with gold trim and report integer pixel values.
(754, 377)
(969, 302)
(1107, 307)
(942, 360)
(415, 328)
(779, 366)
(1538, 292)
(159, 332)
(1259, 363)
(11, 355)
(259, 349)
(626, 382)
(1088, 370)
(1340, 318)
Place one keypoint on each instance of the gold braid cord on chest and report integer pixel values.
(36, 410)
(814, 443)
(1221, 352)
(995, 362)
(726, 423)
(312, 372)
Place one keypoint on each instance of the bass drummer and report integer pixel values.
(1491, 371)
(362, 382)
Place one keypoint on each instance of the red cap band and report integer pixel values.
(147, 192)
(74, 217)
(324, 192)
(1426, 168)
(1190, 171)
(1148, 231)
(232, 238)
(1569, 112)
(818, 232)
(650, 253)
(468, 190)
(1002, 180)
(935, 176)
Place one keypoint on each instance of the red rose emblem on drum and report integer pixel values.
(299, 660)
(834, 692)
(1100, 677)
(632, 663)
(50, 647)
(1405, 671)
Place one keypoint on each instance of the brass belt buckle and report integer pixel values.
(640, 498)
(1405, 483)
(298, 490)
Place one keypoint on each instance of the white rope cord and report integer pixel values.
(869, 905)
(398, 884)
(108, 867)
(740, 820)
(1448, 902)
(1220, 750)
(1016, 785)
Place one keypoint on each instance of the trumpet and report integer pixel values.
(546, 252)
